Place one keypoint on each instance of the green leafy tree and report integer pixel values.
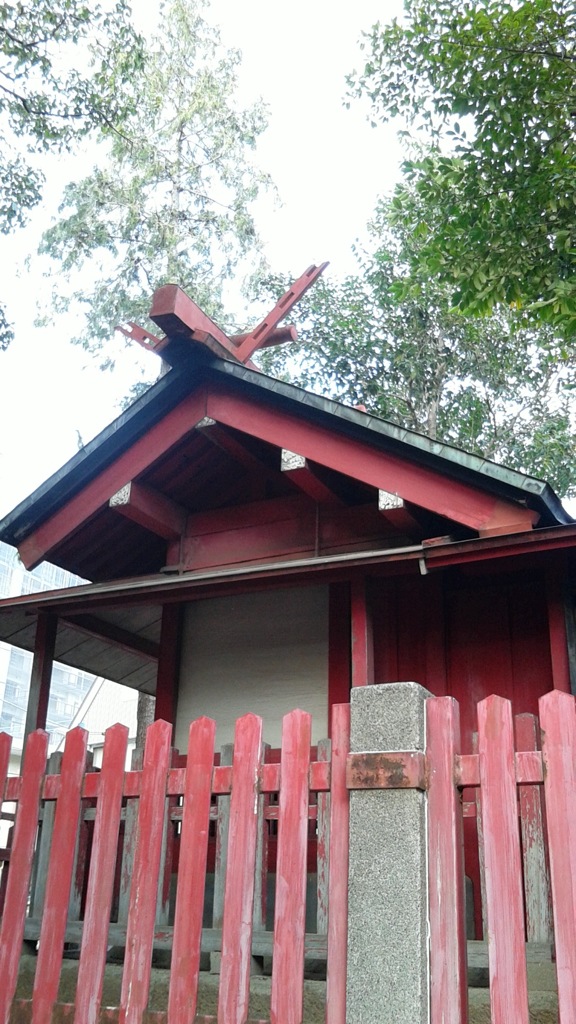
(66, 68)
(172, 200)
(489, 87)
(488, 385)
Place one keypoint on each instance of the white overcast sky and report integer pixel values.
(329, 167)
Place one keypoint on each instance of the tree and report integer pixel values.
(488, 385)
(491, 86)
(66, 68)
(171, 201)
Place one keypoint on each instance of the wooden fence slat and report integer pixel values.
(44, 844)
(480, 838)
(221, 852)
(59, 879)
(290, 912)
(536, 880)
(129, 840)
(187, 941)
(144, 888)
(323, 848)
(261, 871)
(101, 877)
(239, 891)
(558, 723)
(338, 876)
(448, 973)
(26, 825)
(507, 958)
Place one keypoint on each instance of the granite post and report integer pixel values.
(388, 964)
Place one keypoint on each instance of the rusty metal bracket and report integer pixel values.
(404, 769)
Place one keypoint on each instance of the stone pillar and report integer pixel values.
(388, 965)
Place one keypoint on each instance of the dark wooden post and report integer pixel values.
(169, 662)
(39, 695)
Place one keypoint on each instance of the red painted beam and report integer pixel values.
(417, 484)
(362, 634)
(98, 492)
(339, 652)
(151, 509)
(168, 677)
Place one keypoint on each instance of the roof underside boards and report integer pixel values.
(219, 466)
(90, 653)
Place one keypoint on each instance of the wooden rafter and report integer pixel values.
(304, 475)
(420, 485)
(396, 512)
(150, 509)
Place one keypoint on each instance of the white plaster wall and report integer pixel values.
(264, 652)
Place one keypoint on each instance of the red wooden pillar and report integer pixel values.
(362, 634)
(39, 694)
(338, 647)
(168, 675)
(556, 602)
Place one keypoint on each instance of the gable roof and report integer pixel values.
(202, 372)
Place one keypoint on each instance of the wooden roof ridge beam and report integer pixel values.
(397, 512)
(302, 473)
(179, 317)
(151, 509)
(91, 625)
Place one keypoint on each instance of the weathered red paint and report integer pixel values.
(191, 872)
(536, 879)
(59, 880)
(448, 971)
(503, 866)
(289, 919)
(144, 885)
(558, 723)
(239, 891)
(338, 876)
(13, 918)
(101, 877)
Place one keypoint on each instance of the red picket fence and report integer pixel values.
(520, 785)
(526, 803)
(304, 789)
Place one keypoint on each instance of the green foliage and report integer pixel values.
(489, 86)
(171, 201)
(488, 385)
(66, 68)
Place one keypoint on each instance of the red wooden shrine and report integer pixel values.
(253, 547)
